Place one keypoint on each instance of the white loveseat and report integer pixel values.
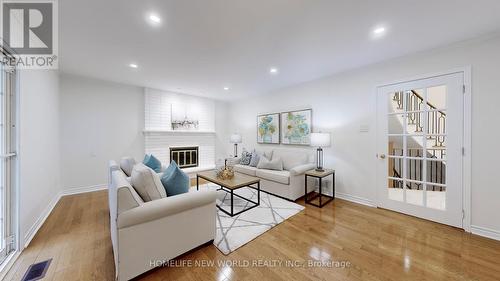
(145, 234)
(288, 183)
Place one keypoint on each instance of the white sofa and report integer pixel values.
(145, 234)
(288, 183)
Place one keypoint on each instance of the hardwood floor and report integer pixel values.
(378, 244)
(76, 237)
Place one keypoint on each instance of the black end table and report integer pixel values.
(319, 175)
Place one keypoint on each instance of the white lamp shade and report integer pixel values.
(320, 139)
(235, 138)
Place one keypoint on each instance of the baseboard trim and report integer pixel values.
(85, 189)
(485, 232)
(8, 263)
(41, 220)
(355, 199)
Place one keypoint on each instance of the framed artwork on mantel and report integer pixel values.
(184, 117)
(268, 128)
(296, 127)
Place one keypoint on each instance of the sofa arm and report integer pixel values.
(298, 170)
(113, 166)
(233, 160)
(164, 207)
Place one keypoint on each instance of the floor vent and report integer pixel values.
(36, 271)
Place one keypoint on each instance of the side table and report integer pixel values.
(320, 175)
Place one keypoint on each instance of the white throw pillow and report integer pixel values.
(291, 159)
(147, 183)
(267, 154)
(275, 164)
(127, 164)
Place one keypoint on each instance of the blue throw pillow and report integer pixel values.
(174, 180)
(170, 169)
(152, 162)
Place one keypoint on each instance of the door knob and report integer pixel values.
(382, 156)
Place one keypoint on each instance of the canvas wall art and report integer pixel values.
(268, 128)
(184, 117)
(296, 127)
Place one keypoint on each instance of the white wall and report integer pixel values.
(344, 102)
(100, 121)
(222, 132)
(38, 147)
(158, 107)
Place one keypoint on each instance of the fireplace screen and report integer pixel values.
(185, 157)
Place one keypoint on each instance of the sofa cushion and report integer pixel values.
(290, 158)
(276, 176)
(127, 164)
(152, 162)
(147, 183)
(175, 180)
(244, 169)
(275, 164)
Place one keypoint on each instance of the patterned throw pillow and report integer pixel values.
(255, 159)
(246, 157)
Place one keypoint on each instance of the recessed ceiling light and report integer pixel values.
(379, 30)
(133, 65)
(226, 88)
(273, 70)
(154, 19)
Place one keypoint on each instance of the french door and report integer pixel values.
(419, 142)
(7, 159)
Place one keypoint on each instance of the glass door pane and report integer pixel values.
(417, 146)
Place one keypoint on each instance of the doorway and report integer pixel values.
(420, 129)
(8, 158)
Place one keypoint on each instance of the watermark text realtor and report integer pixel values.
(29, 33)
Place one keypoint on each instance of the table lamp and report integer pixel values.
(320, 140)
(235, 138)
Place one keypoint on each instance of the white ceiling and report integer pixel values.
(205, 45)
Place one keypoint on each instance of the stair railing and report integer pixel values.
(436, 119)
(435, 169)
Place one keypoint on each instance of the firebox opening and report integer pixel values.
(185, 157)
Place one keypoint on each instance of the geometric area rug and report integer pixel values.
(234, 232)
